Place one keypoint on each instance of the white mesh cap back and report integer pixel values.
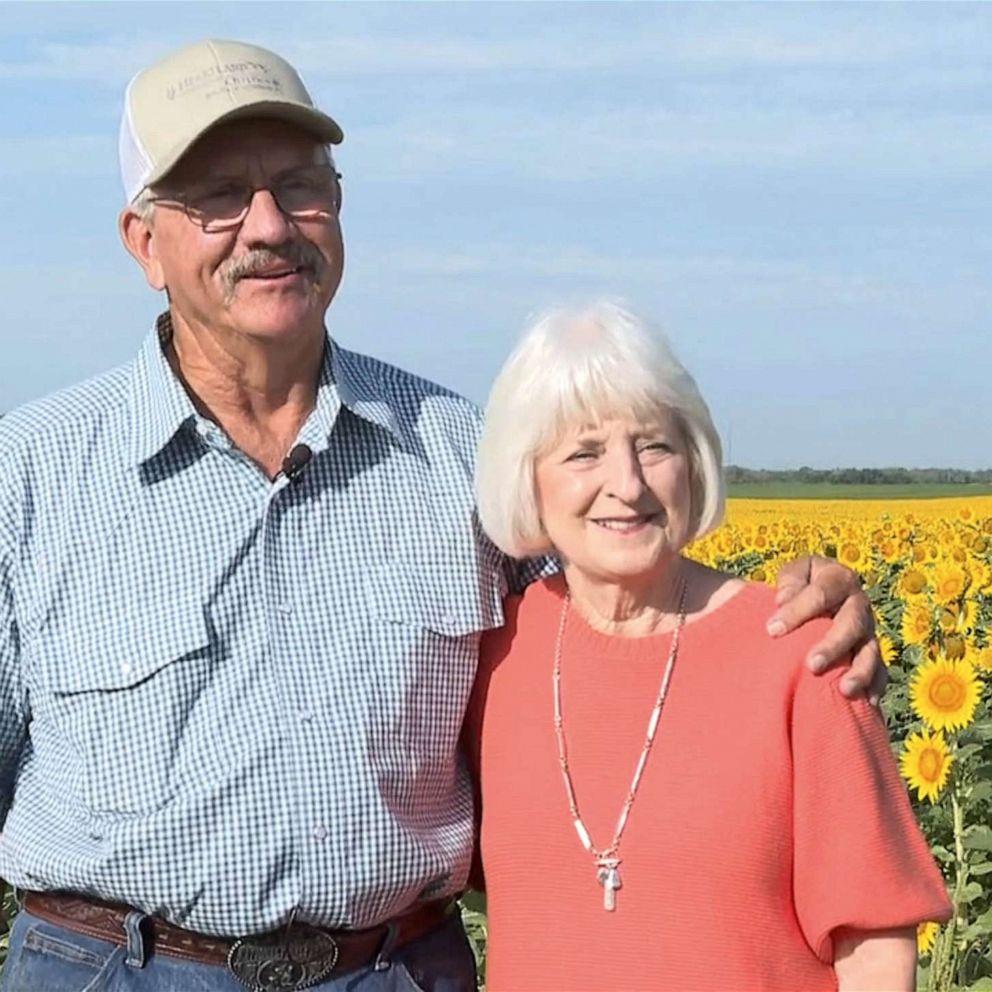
(136, 164)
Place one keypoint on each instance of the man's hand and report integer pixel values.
(812, 587)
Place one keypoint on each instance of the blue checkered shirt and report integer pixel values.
(225, 698)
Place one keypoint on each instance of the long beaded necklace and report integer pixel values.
(607, 860)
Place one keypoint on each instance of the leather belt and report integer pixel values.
(285, 960)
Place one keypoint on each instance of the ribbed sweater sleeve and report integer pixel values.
(856, 841)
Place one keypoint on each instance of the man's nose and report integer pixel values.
(265, 223)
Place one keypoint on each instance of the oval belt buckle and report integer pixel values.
(284, 960)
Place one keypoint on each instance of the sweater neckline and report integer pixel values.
(580, 636)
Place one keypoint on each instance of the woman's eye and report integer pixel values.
(656, 446)
(583, 455)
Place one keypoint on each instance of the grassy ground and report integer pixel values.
(829, 490)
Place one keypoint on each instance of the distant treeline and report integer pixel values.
(862, 476)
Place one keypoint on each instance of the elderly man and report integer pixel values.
(241, 594)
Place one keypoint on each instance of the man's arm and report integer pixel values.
(814, 587)
(13, 722)
(520, 574)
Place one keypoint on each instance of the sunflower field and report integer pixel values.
(927, 568)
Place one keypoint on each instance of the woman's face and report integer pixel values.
(614, 497)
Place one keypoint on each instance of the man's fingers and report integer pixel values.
(786, 590)
(881, 679)
(811, 588)
(792, 577)
(852, 630)
(867, 675)
(808, 602)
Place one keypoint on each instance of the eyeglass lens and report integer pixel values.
(300, 193)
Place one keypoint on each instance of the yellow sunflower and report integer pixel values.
(912, 582)
(954, 646)
(925, 763)
(945, 693)
(982, 658)
(849, 554)
(949, 581)
(958, 618)
(926, 936)
(917, 623)
(887, 649)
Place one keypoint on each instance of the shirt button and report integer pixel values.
(126, 667)
(306, 716)
(320, 833)
(450, 620)
(285, 608)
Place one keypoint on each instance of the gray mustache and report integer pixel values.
(295, 254)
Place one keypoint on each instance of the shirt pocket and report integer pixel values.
(116, 699)
(423, 651)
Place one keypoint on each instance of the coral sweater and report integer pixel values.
(770, 814)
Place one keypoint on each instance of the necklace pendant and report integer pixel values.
(609, 877)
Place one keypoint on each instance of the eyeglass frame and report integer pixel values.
(180, 200)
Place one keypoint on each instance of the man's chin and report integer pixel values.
(277, 318)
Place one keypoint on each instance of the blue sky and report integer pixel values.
(798, 193)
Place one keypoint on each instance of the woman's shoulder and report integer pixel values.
(734, 623)
(523, 613)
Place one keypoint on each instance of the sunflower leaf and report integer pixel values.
(978, 838)
(965, 752)
(971, 892)
(980, 792)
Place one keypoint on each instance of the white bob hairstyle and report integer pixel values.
(575, 367)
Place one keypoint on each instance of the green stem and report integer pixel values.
(944, 959)
(960, 881)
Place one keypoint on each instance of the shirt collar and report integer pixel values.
(359, 389)
(160, 405)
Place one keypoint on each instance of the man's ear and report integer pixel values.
(138, 236)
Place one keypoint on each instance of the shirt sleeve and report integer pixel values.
(860, 860)
(521, 572)
(493, 649)
(13, 723)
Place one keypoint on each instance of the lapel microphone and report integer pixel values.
(295, 462)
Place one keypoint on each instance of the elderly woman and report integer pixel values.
(670, 800)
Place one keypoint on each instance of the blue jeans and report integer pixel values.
(48, 958)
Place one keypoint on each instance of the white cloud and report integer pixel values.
(75, 155)
(761, 281)
(111, 61)
(366, 54)
(551, 38)
(634, 144)
(815, 48)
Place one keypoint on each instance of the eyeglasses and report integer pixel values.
(223, 204)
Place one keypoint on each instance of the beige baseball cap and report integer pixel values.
(175, 101)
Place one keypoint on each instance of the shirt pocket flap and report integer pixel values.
(119, 653)
(446, 604)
